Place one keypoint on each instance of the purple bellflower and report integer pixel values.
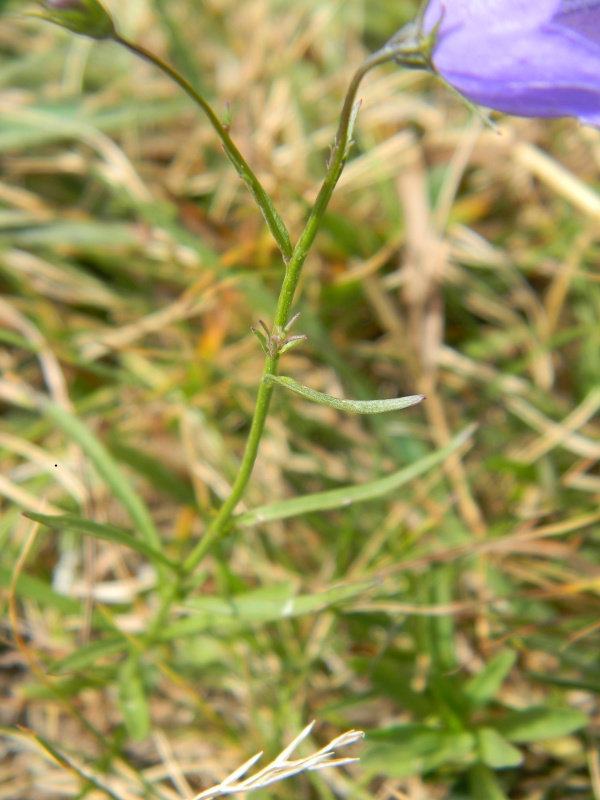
(531, 58)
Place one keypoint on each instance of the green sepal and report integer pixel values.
(86, 17)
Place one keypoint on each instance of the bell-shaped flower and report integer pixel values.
(88, 17)
(531, 58)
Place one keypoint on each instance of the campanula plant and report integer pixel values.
(538, 58)
(527, 58)
(89, 17)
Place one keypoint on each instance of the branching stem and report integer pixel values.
(294, 259)
(336, 163)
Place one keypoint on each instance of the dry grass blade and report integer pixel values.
(281, 767)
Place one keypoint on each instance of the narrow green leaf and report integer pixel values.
(310, 603)
(583, 684)
(405, 750)
(452, 705)
(354, 406)
(261, 605)
(101, 531)
(158, 474)
(484, 785)
(133, 701)
(273, 603)
(85, 770)
(29, 126)
(4, 6)
(16, 340)
(108, 469)
(482, 687)
(88, 655)
(30, 588)
(79, 235)
(401, 751)
(340, 498)
(391, 676)
(441, 589)
(495, 751)
(537, 724)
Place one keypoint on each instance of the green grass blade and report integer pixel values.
(412, 749)
(88, 654)
(537, 724)
(339, 498)
(277, 602)
(87, 772)
(495, 751)
(133, 700)
(108, 469)
(484, 784)
(482, 687)
(30, 588)
(101, 531)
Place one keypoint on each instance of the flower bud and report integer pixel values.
(87, 17)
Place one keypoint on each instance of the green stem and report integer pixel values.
(272, 218)
(339, 153)
(167, 598)
(219, 526)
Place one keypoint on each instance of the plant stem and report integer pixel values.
(339, 153)
(272, 218)
(221, 522)
(294, 264)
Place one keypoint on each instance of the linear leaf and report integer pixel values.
(495, 751)
(339, 498)
(133, 701)
(88, 655)
(109, 470)
(276, 602)
(484, 686)
(354, 406)
(155, 472)
(31, 588)
(413, 749)
(87, 771)
(102, 531)
(537, 724)
(484, 783)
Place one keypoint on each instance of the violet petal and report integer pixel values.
(524, 57)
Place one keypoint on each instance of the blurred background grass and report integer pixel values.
(453, 261)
